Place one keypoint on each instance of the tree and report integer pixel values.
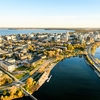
(70, 47)
(2, 97)
(9, 80)
(65, 45)
(4, 92)
(13, 90)
(20, 93)
(51, 53)
(29, 81)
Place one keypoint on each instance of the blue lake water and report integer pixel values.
(72, 79)
(97, 53)
(8, 32)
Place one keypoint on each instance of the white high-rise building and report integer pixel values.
(67, 36)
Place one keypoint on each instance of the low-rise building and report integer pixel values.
(43, 78)
(2, 51)
(7, 66)
(11, 60)
(26, 63)
(0, 38)
(9, 54)
(1, 73)
(43, 56)
(13, 37)
(57, 38)
(23, 57)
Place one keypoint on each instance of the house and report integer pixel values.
(23, 51)
(17, 55)
(28, 42)
(7, 66)
(43, 56)
(18, 48)
(13, 37)
(1, 44)
(38, 61)
(26, 63)
(8, 37)
(42, 35)
(23, 57)
(0, 38)
(57, 38)
(2, 51)
(1, 73)
(60, 48)
(32, 62)
(31, 35)
(9, 54)
(11, 60)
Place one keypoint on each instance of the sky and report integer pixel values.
(50, 13)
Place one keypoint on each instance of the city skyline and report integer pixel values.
(52, 13)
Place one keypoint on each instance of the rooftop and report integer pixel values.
(7, 63)
(2, 51)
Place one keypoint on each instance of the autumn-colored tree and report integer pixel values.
(20, 93)
(5, 79)
(12, 90)
(51, 53)
(70, 47)
(29, 81)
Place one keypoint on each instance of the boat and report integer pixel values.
(49, 78)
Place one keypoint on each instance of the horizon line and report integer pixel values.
(50, 27)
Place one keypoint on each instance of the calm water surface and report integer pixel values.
(8, 32)
(97, 53)
(72, 79)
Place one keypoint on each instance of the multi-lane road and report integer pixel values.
(96, 65)
(17, 81)
(20, 82)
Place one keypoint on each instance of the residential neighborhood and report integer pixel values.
(21, 49)
(31, 57)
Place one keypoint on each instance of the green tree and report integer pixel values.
(4, 92)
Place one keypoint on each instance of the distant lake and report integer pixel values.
(27, 31)
(97, 53)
